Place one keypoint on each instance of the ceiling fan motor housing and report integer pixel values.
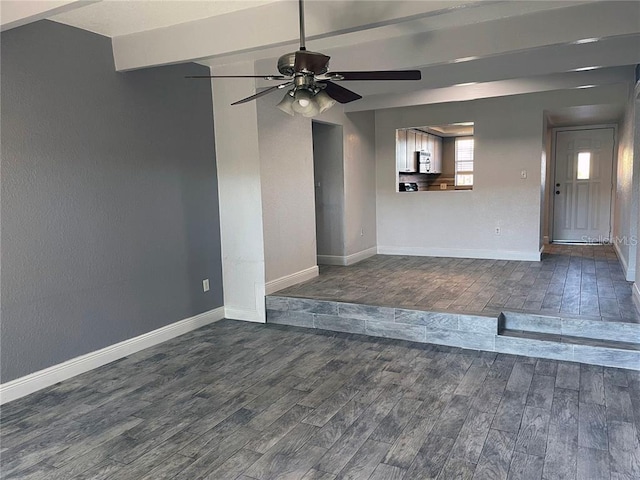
(287, 63)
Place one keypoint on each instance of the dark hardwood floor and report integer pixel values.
(236, 400)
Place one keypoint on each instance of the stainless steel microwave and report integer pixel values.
(424, 161)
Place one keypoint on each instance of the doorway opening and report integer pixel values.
(328, 179)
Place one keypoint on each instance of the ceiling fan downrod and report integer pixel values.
(301, 18)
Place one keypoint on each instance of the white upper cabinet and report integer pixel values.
(405, 151)
(408, 142)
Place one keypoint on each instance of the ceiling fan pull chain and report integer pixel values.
(301, 15)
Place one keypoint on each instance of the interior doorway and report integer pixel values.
(582, 186)
(328, 173)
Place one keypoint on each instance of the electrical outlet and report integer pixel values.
(497, 231)
(362, 232)
(205, 285)
(523, 174)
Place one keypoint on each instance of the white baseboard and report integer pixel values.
(348, 259)
(289, 280)
(629, 273)
(532, 256)
(332, 260)
(245, 314)
(33, 382)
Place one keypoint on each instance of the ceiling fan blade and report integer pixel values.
(311, 62)
(339, 93)
(263, 92)
(378, 75)
(264, 77)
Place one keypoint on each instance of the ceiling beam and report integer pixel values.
(610, 52)
(271, 25)
(265, 31)
(618, 77)
(496, 37)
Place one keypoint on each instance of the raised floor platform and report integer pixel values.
(569, 339)
(574, 305)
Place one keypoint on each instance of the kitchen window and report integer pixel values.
(464, 162)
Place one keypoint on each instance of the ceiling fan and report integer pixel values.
(313, 87)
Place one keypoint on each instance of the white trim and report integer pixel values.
(33, 382)
(348, 259)
(246, 314)
(635, 290)
(629, 272)
(241, 312)
(533, 256)
(289, 280)
(261, 307)
(332, 260)
(600, 126)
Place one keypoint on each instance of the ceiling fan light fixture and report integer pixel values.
(304, 103)
(286, 103)
(325, 102)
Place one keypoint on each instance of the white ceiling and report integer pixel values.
(113, 18)
(465, 49)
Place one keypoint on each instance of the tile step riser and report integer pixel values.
(593, 355)
(571, 327)
(478, 333)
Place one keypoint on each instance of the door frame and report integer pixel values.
(552, 177)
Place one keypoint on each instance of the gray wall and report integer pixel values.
(110, 215)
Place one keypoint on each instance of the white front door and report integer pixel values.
(582, 187)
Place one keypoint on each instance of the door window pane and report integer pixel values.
(584, 165)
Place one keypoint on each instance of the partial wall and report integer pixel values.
(286, 181)
(508, 133)
(239, 167)
(627, 196)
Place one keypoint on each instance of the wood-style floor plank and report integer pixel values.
(235, 400)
